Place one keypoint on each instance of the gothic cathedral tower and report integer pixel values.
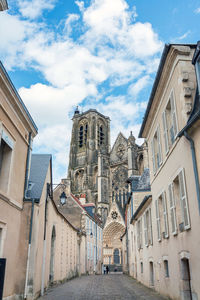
(88, 170)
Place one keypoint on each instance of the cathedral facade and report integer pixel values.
(96, 171)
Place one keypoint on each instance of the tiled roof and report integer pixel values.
(140, 183)
(38, 172)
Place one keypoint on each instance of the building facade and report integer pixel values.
(17, 130)
(165, 239)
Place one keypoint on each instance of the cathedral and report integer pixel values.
(96, 171)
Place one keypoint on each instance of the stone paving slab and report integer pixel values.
(100, 287)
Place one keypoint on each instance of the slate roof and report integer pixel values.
(140, 183)
(38, 172)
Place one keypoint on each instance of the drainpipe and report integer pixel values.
(48, 193)
(29, 250)
(32, 210)
(27, 165)
(194, 161)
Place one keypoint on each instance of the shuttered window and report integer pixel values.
(150, 228)
(172, 209)
(183, 200)
(159, 147)
(164, 203)
(145, 230)
(153, 156)
(158, 220)
(165, 130)
(173, 114)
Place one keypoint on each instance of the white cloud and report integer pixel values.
(34, 8)
(111, 48)
(197, 10)
(136, 88)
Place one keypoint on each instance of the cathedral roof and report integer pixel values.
(90, 111)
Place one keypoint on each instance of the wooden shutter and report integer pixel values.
(183, 200)
(165, 129)
(145, 230)
(138, 234)
(172, 209)
(158, 220)
(165, 215)
(173, 114)
(153, 156)
(141, 240)
(150, 228)
(159, 146)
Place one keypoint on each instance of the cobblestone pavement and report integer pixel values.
(100, 287)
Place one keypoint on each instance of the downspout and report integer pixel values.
(27, 165)
(29, 250)
(48, 193)
(32, 210)
(194, 161)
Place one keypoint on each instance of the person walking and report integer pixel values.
(107, 269)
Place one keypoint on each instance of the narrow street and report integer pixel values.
(99, 287)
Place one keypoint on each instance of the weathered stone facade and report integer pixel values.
(94, 168)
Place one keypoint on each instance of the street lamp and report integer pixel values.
(63, 198)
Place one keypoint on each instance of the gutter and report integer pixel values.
(29, 250)
(27, 165)
(194, 161)
(140, 207)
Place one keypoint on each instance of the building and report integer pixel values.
(17, 130)
(53, 250)
(82, 216)
(96, 170)
(3, 5)
(166, 251)
(100, 173)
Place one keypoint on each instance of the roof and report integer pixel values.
(38, 172)
(88, 111)
(18, 96)
(156, 82)
(140, 183)
(146, 198)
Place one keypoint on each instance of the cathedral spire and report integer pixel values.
(77, 112)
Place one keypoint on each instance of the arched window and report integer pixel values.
(81, 136)
(100, 135)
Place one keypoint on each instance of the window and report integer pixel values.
(139, 234)
(169, 121)
(166, 268)
(141, 267)
(6, 146)
(148, 237)
(178, 204)
(156, 150)
(162, 217)
(83, 133)
(100, 135)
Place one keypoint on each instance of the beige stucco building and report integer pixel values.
(164, 227)
(17, 131)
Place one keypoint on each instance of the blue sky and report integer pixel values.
(99, 54)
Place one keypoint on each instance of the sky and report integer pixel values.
(98, 54)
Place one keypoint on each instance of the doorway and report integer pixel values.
(116, 256)
(186, 278)
(151, 273)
